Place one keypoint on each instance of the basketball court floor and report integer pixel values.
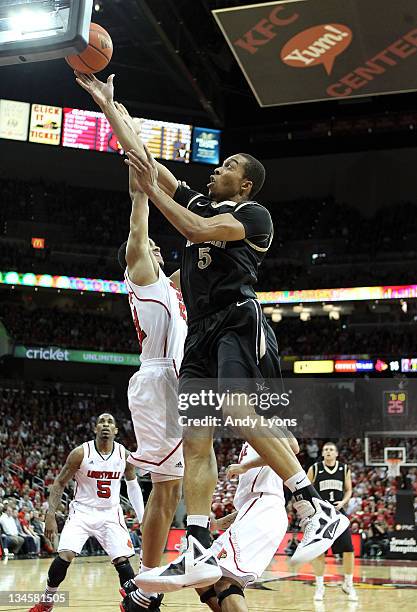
(93, 585)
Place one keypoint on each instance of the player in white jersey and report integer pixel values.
(97, 467)
(253, 533)
(160, 320)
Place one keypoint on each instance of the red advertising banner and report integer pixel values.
(303, 50)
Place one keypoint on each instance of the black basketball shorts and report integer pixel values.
(234, 343)
(343, 544)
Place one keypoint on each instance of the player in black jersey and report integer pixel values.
(228, 234)
(333, 481)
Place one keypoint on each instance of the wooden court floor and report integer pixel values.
(93, 585)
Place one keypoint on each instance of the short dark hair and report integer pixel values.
(110, 414)
(121, 256)
(331, 444)
(255, 172)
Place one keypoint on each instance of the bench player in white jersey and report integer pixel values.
(97, 467)
(253, 533)
(160, 320)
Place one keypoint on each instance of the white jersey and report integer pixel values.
(160, 318)
(256, 480)
(98, 479)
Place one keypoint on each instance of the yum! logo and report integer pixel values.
(318, 45)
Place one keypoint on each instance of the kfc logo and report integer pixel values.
(318, 45)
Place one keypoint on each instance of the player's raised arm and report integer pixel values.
(127, 132)
(72, 464)
(141, 264)
(193, 227)
(134, 492)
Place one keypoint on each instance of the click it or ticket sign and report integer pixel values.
(45, 124)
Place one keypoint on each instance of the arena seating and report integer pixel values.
(35, 441)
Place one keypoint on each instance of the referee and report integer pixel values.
(333, 481)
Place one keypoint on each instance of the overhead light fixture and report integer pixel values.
(305, 315)
(404, 306)
(38, 30)
(334, 315)
(298, 308)
(268, 310)
(276, 317)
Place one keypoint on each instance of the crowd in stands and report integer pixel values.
(353, 249)
(69, 327)
(38, 427)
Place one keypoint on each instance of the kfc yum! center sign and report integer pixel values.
(308, 50)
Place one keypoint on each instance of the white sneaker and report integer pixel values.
(319, 593)
(195, 567)
(322, 525)
(350, 592)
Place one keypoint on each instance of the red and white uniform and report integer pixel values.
(160, 319)
(245, 550)
(95, 510)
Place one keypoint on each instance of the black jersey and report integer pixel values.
(330, 481)
(216, 274)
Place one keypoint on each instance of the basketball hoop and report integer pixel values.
(393, 466)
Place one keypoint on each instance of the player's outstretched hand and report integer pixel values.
(235, 469)
(51, 528)
(338, 505)
(146, 169)
(102, 93)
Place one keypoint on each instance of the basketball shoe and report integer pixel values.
(195, 567)
(41, 607)
(349, 589)
(136, 602)
(322, 524)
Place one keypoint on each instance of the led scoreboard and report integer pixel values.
(91, 130)
(85, 129)
(395, 403)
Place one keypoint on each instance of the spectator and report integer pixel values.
(13, 540)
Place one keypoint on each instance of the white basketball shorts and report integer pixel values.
(153, 402)
(245, 550)
(107, 525)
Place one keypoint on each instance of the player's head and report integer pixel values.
(153, 248)
(330, 452)
(106, 427)
(240, 175)
(156, 251)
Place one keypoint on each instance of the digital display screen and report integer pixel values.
(91, 130)
(45, 124)
(14, 119)
(206, 146)
(395, 403)
(165, 140)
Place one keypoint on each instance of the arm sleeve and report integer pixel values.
(134, 493)
(187, 197)
(257, 223)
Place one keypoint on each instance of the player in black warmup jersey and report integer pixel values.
(228, 235)
(333, 481)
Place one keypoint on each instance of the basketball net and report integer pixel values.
(394, 467)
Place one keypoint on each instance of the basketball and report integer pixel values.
(98, 53)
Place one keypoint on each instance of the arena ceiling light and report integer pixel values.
(37, 30)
